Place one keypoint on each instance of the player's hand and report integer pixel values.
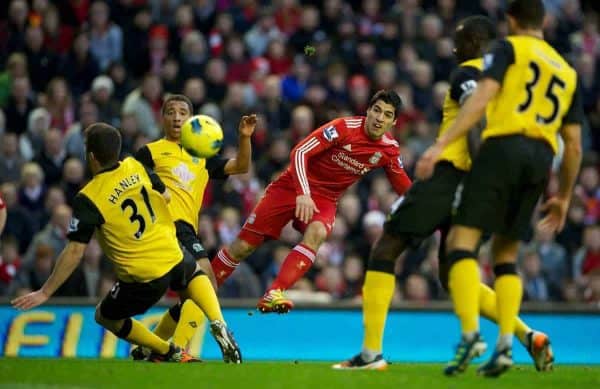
(556, 209)
(166, 195)
(305, 208)
(247, 125)
(426, 163)
(30, 300)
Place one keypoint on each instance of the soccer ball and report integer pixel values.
(201, 136)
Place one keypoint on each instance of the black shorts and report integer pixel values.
(427, 206)
(190, 240)
(501, 191)
(127, 299)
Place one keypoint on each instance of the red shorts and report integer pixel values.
(276, 208)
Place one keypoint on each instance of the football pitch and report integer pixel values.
(93, 373)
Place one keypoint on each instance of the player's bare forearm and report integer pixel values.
(241, 163)
(471, 112)
(571, 160)
(65, 265)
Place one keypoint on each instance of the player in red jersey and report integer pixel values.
(322, 167)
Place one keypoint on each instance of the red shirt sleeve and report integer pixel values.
(397, 175)
(318, 141)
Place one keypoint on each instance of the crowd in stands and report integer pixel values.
(296, 64)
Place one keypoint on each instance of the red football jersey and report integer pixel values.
(339, 153)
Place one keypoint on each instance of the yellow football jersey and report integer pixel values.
(185, 176)
(538, 89)
(462, 83)
(132, 221)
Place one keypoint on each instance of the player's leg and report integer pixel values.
(198, 289)
(125, 300)
(463, 285)
(535, 342)
(378, 290)
(509, 291)
(274, 210)
(228, 259)
(295, 265)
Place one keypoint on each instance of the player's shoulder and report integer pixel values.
(390, 145)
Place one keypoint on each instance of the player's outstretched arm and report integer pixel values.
(241, 163)
(558, 206)
(67, 262)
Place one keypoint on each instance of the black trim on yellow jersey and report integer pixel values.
(462, 79)
(216, 167)
(145, 157)
(498, 59)
(86, 218)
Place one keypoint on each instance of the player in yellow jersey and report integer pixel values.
(427, 207)
(185, 178)
(529, 96)
(136, 232)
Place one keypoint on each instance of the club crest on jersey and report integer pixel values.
(375, 158)
(488, 59)
(330, 133)
(73, 224)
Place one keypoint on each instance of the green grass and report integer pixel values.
(93, 373)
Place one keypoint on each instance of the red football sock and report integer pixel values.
(223, 265)
(298, 261)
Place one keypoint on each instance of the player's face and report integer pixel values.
(380, 118)
(175, 114)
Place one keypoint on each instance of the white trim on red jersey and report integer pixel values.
(301, 163)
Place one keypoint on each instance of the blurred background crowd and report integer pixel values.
(67, 63)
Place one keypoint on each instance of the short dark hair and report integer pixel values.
(472, 36)
(527, 13)
(388, 97)
(183, 98)
(104, 141)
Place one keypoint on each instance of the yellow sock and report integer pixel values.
(464, 290)
(142, 336)
(166, 326)
(378, 291)
(509, 291)
(488, 309)
(190, 320)
(203, 294)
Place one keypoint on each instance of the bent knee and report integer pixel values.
(315, 234)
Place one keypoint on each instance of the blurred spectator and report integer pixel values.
(42, 63)
(73, 178)
(552, 255)
(16, 67)
(106, 38)
(32, 142)
(20, 225)
(52, 157)
(79, 67)
(60, 104)
(15, 26)
(11, 161)
(19, 106)
(586, 260)
(32, 189)
(32, 275)
(10, 262)
(145, 103)
(58, 36)
(535, 285)
(54, 235)
(416, 288)
(259, 36)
